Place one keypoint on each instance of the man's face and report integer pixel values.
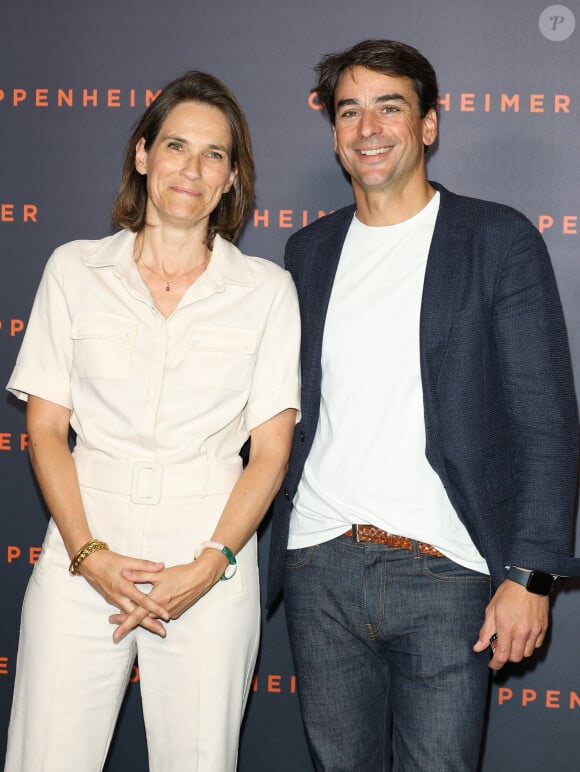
(379, 133)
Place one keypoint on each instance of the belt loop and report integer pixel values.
(146, 482)
(355, 533)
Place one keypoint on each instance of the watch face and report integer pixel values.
(540, 583)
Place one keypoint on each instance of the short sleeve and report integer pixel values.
(276, 380)
(43, 365)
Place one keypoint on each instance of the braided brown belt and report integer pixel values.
(371, 534)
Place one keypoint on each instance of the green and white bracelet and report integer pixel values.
(215, 545)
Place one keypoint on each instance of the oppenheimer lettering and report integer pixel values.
(14, 553)
(9, 441)
(488, 101)
(274, 683)
(78, 97)
(285, 218)
(13, 326)
(471, 102)
(566, 224)
(18, 212)
(549, 698)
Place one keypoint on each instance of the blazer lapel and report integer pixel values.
(443, 278)
(315, 287)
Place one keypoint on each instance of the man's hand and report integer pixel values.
(519, 619)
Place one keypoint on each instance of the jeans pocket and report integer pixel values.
(300, 557)
(446, 570)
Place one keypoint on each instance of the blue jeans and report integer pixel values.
(377, 632)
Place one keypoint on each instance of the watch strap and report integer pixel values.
(232, 563)
(536, 582)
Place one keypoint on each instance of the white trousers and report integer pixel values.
(71, 678)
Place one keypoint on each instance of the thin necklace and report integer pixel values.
(169, 282)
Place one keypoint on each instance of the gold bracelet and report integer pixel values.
(94, 545)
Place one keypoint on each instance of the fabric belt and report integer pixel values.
(373, 535)
(147, 482)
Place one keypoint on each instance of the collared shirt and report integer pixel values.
(142, 386)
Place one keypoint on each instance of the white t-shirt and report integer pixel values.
(367, 463)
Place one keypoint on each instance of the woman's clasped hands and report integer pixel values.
(172, 590)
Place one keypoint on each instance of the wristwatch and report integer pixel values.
(537, 582)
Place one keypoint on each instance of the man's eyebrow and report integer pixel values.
(349, 101)
(396, 97)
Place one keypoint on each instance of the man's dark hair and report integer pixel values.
(387, 56)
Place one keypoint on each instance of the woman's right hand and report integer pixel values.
(103, 570)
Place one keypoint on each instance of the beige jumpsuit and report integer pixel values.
(161, 408)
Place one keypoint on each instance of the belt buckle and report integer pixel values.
(355, 537)
(146, 480)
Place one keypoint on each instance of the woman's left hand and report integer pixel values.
(176, 588)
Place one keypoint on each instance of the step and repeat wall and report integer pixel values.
(73, 79)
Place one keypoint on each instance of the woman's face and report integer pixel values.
(188, 167)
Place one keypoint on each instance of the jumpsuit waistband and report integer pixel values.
(147, 482)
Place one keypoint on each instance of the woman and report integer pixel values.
(164, 348)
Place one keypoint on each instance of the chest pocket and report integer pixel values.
(103, 344)
(221, 358)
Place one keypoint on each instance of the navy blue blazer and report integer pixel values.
(499, 404)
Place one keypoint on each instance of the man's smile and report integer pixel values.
(375, 151)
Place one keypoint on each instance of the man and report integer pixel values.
(429, 498)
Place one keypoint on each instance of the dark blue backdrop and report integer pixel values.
(74, 77)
